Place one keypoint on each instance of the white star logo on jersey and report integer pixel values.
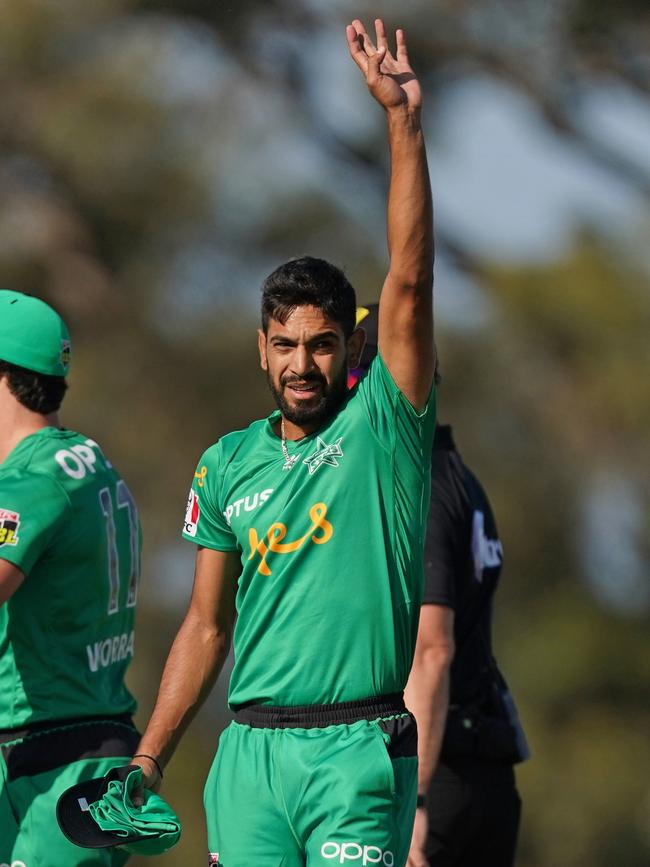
(324, 454)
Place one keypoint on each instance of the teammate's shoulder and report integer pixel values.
(31, 483)
(36, 452)
(65, 456)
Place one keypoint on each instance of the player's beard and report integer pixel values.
(331, 397)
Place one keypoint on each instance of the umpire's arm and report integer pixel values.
(427, 690)
(405, 308)
(195, 659)
(427, 696)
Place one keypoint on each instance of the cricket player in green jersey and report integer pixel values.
(69, 566)
(310, 529)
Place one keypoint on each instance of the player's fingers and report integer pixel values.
(380, 33)
(402, 51)
(366, 41)
(382, 40)
(356, 48)
(374, 64)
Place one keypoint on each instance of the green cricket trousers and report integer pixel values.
(315, 785)
(36, 766)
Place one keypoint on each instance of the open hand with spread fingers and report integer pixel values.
(390, 79)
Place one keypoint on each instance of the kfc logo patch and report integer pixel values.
(213, 859)
(9, 523)
(192, 514)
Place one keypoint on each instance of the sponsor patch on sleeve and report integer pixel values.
(192, 514)
(66, 352)
(9, 524)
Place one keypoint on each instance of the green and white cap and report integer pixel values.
(33, 335)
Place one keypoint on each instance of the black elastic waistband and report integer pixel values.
(7, 735)
(311, 716)
(31, 751)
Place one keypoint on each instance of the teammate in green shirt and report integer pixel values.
(69, 566)
(310, 529)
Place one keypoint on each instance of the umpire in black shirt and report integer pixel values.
(469, 733)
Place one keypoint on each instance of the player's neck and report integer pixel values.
(296, 431)
(18, 422)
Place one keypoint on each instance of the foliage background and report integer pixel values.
(157, 159)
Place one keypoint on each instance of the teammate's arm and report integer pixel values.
(427, 696)
(405, 307)
(10, 580)
(195, 659)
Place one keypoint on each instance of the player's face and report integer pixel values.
(306, 364)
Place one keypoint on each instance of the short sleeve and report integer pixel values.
(205, 523)
(443, 542)
(390, 414)
(33, 507)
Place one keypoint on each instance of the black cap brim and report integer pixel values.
(74, 817)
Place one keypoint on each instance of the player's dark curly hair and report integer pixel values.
(36, 391)
(313, 282)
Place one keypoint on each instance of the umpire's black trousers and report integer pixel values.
(474, 810)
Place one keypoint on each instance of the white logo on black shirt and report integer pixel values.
(488, 553)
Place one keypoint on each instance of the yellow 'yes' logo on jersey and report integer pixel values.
(320, 531)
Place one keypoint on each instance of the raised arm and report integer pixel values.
(406, 305)
(195, 659)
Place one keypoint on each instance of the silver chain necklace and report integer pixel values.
(289, 460)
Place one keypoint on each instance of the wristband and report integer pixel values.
(151, 758)
(420, 802)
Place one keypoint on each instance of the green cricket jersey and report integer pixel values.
(331, 549)
(69, 522)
